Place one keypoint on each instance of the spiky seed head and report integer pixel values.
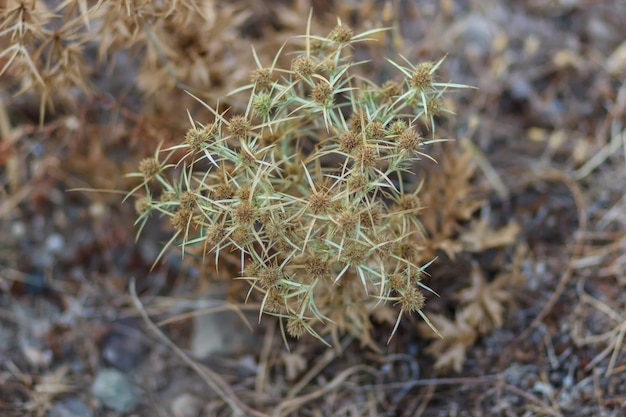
(149, 168)
(223, 192)
(303, 66)
(390, 89)
(366, 157)
(422, 78)
(262, 104)
(318, 201)
(244, 193)
(397, 127)
(433, 106)
(244, 213)
(181, 218)
(354, 253)
(252, 269)
(262, 79)
(188, 200)
(316, 267)
(142, 204)
(405, 250)
(358, 120)
(372, 217)
(375, 131)
(348, 141)
(347, 220)
(341, 33)
(241, 236)
(273, 230)
(357, 181)
(274, 302)
(397, 281)
(238, 126)
(409, 202)
(196, 137)
(322, 93)
(270, 276)
(296, 327)
(167, 197)
(412, 300)
(215, 233)
(409, 140)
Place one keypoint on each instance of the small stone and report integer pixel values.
(123, 348)
(220, 333)
(113, 389)
(186, 405)
(55, 243)
(70, 408)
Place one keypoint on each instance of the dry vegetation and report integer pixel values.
(519, 226)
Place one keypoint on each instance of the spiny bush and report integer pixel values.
(312, 184)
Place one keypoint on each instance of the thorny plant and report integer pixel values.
(313, 186)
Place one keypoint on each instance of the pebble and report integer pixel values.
(70, 408)
(55, 243)
(123, 348)
(186, 405)
(221, 333)
(113, 389)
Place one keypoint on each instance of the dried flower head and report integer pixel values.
(347, 220)
(238, 126)
(244, 213)
(316, 267)
(409, 202)
(181, 219)
(149, 168)
(341, 33)
(196, 137)
(188, 200)
(409, 140)
(322, 93)
(348, 141)
(358, 119)
(397, 127)
(223, 192)
(412, 300)
(273, 301)
(215, 234)
(422, 78)
(261, 78)
(303, 66)
(357, 181)
(269, 276)
(296, 327)
(397, 281)
(366, 157)
(142, 204)
(319, 201)
(375, 131)
(390, 89)
(433, 106)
